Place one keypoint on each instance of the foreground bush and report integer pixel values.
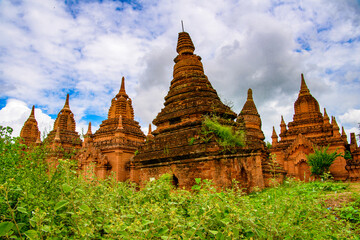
(41, 203)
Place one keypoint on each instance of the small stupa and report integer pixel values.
(30, 133)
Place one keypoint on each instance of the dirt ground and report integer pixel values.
(336, 200)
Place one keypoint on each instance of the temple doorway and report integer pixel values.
(304, 171)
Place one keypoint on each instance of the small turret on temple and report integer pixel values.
(30, 133)
(116, 141)
(308, 129)
(250, 116)
(64, 134)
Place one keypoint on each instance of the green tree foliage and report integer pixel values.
(320, 161)
(40, 202)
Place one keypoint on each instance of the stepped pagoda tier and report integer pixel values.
(117, 138)
(64, 133)
(30, 133)
(309, 128)
(181, 144)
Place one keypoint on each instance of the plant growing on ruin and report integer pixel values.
(226, 135)
(320, 161)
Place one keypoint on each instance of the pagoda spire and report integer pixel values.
(66, 105)
(122, 87)
(343, 134)
(32, 114)
(149, 132)
(282, 125)
(274, 137)
(185, 44)
(149, 136)
(89, 129)
(304, 90)
(122, 91)
(326, 117)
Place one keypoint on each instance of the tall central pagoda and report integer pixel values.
(179, 144)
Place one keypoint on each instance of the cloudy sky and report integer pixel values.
(83, 47)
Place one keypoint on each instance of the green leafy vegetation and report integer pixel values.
(226, 135)
(42, 202)
(320, 161)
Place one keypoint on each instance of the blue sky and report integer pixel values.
(51, 48)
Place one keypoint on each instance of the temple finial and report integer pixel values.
(32, 114)
(303, 89)
(149, 133)
(67, 106)
(122, 88)
(274, 137)
(282, 125)
(249, 94)
(89, 129)
(185, 45)
(182, 25)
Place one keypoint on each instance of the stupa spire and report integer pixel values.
(303, 89)
(343, 134)
(122, 87)
(149, 132)
(326, 117)
(89, 129)
(66, 105)
(282, 125)
(274, 137)
(32, 114)
(185, 44)
(122, 91)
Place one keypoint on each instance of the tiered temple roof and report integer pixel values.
(30, 133)
(309, 121)
(190, 97)
(120, 122)
(64, 133)
(311, 127)
(182, 144)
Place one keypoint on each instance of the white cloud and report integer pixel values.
(263, 45)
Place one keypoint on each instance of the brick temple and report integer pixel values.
(186, 146)
(110, 148)
(177, 146)
(309, 128)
